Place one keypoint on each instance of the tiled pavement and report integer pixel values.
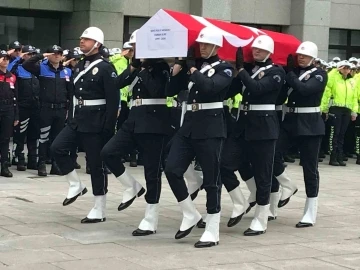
(37, 232)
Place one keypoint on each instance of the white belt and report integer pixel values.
(257, 107)
(204, 106)
(225, 103)
(279, 107)
(148, 101)
(303, 110)
(89, 102)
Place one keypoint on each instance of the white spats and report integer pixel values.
(252, 188)
(288, 187)
(259, 222)
(240, 204)
(150, 221)
(99, 209)
(132, 187)
(75, 185)
(193, 179)
(191, 215)
(274, 200)
(211, 233)
(310, 211)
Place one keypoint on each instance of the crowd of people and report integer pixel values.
(180, 115)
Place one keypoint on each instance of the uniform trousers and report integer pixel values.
(309, 153)
(208, 154)
(349, 139)
(357, 136)
(65, 143)
(124, 114)
(7, 118)
(28, 129)
(238, 154)
(339, 118)
(151, 145)
(52, 121)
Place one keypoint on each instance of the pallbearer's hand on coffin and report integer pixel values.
(290, 63)
(239, 58)
(136, 63)
(190, 60)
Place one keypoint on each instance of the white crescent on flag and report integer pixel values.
(232, 39)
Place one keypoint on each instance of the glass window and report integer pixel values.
(337, 37)
(337, 52)
(355, 38)
(132, 23)
(39, 32)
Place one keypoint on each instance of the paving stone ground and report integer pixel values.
(37, 232)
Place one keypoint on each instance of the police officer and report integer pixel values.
(302, 125)
(202, 133)
(147, 128)
(28, 101)
(341, 91)
(121, 61)
(55, 88)
(15, 48)
(257, 129)
(9, 113)
(92, 121)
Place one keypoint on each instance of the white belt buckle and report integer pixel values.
(195, 107)
(138, 102)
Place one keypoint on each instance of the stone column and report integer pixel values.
(107, 15)
(310, 21)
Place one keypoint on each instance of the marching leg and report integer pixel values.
(261, 154)
(120, 144)
(60, 150)
(309, 150)
(152, 146)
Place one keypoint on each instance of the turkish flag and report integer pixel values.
(170, 33)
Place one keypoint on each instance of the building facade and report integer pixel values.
(333, 24)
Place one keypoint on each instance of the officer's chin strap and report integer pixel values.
(311, 62)
(93, 48)
(212, 51)
(265, 59)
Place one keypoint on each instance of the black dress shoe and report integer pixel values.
(125, 205)
(285, 202)
(201, 224)
(250, 232)
(92, 220)
(182, 234)
(194, 195)
(139, 232)
(233, 221)
(270, 218)
(200, 244)
(73, 199)
(304, 225)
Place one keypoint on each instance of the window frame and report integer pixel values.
(350, 49)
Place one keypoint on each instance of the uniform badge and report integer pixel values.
(211, 72)
(277, 78)
(262, 73)
(307, 77)
(319, 77)
(228, 72)
(95, 70)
